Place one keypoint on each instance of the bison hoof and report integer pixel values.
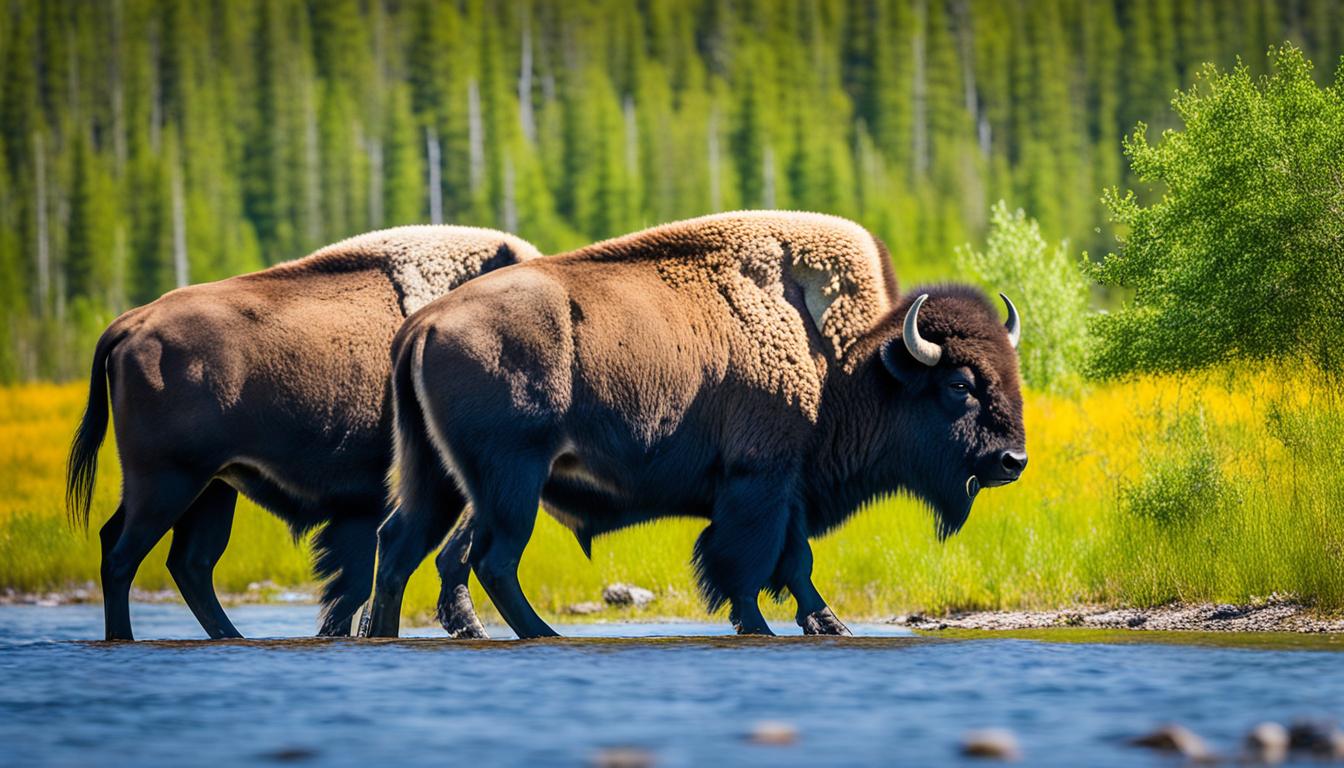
(461, 626)
(823, 622)
(458, 617)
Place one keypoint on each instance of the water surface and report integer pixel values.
(887, 698)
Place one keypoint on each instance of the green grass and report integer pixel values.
(1221, 488)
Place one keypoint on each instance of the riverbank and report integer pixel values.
(1273, 615)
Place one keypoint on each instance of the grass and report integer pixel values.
(1224, 487)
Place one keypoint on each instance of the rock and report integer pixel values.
(1321, 738)
(1071, 619)
(1267, 743)
(1136, 621)
(1225, 612)
(772, 732)
(292, 754)
(992, 743)
(627, 594)
(1178, 739)
(585, 608)
(621, 757)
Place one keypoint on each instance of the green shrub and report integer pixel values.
(1240, 256)
(1046, 285)
(1181, 479)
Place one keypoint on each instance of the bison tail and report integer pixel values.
(81, 468)
(417, 463)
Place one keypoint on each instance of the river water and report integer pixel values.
(680, 695)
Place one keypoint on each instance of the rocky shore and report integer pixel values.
(1274, 614)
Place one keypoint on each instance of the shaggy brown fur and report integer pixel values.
(747, 368)
(273, 384)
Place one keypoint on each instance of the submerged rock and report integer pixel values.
(772, 732)
(992, 743)
(627, 594)
(1267, 743)
(1179, 739)
(621, 757)
(1321, 738)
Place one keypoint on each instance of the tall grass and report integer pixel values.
(1223, 487)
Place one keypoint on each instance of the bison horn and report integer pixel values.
(1014, 324)
(921, 349)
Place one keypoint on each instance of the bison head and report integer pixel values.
(960, 404)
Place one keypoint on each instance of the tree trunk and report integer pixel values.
(508, 213)
(180, 276)
(435, 184)
(374, 148)
(525, 87)
(475, 137)
(43, 246)
(715, 198)
(920, 145)
(768, 177)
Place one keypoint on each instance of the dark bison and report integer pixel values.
(758, 370)
(272, 384)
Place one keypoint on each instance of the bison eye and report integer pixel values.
(960, 387)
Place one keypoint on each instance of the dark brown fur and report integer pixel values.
(694, 369)
(272, 384)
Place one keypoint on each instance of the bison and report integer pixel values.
(272, 384)
(758, 370)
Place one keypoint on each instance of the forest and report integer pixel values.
(147, 144)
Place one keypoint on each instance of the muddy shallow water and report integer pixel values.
(888, 697)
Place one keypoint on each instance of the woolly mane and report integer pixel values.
(427, 261)
(842, 271)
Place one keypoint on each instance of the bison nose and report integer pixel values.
(1013, 462)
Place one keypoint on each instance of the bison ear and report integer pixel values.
(898, 362)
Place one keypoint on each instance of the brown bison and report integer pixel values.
(758, 370)
(272, 384)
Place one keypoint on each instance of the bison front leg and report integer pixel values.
(795, 573)
(740, 549)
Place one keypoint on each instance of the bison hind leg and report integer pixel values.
(737, 554)
(199, 540)
(343, 552)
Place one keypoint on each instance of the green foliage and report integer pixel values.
(265, 129)
(1181, 478)
(1048, 288)
(1241, 256)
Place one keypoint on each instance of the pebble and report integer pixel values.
(992, 743)
(1322, 738)
(1178, 739)
(292, 754)
(1268, 743)
(622, 757)
(773, 732)
(627, 594)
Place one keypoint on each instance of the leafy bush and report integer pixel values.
(1181, 480)
(1048, 288)
(1241, 257)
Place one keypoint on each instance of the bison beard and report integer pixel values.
(751, 369)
